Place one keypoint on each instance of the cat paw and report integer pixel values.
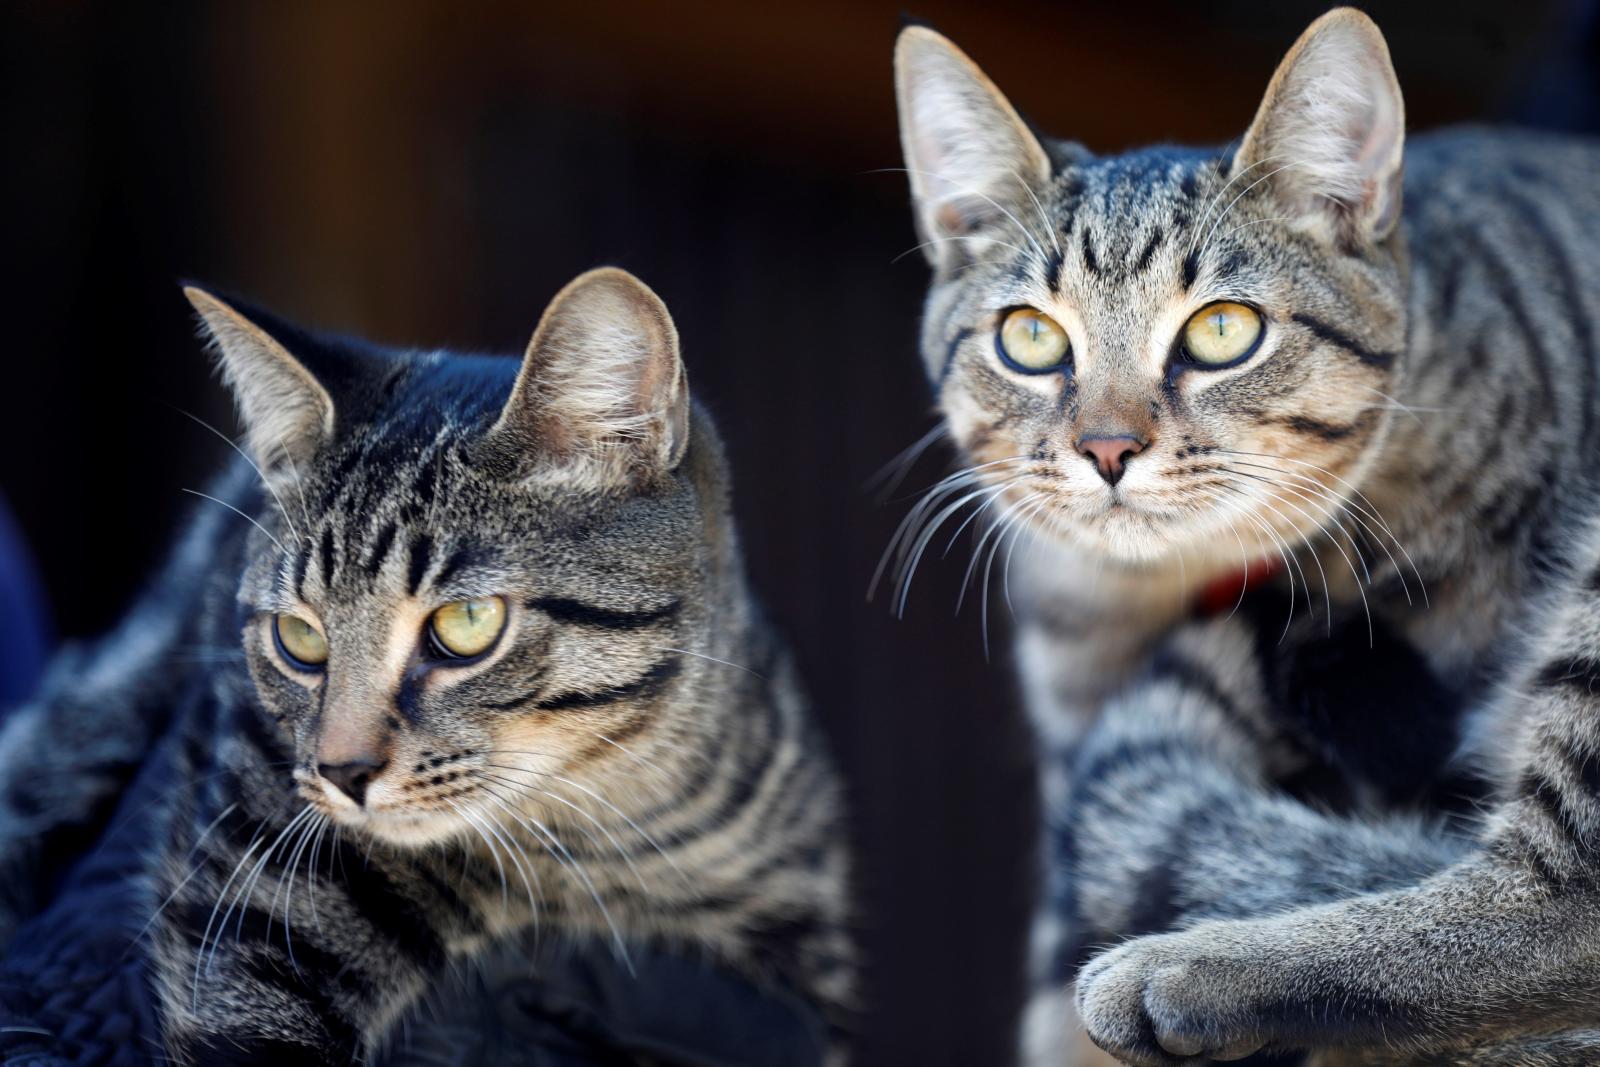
(1171, 1000)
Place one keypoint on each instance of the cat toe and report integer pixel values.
(1112, 1005)
(1152, 1008)
(1191, 1014)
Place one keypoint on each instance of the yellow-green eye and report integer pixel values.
(468, 627)
(1032, 342)
(301, 643)
(1221, 333)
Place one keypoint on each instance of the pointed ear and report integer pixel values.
(602, 392)
(287, 414)
(1331, 130)
(971, 158)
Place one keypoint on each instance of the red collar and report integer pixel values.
(1221, 596)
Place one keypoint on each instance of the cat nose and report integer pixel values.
(352, 778)
(1110, 454)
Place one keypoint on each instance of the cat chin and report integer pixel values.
(401, 829)
(1140, 539)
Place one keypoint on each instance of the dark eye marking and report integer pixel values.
(1052, 271)
(576, 612)
(950, 353)
(1340, 339)
(648, 684)
(1327, 431)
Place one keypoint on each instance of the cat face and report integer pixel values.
(1166, 354)
(469, 608)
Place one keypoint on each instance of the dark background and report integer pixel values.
(432, 172)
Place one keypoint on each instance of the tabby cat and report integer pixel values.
(1174, 370)
(465, 657)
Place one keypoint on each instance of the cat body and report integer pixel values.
(1172, 367)
(375, 787)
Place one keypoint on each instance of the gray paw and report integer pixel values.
(1172, 999)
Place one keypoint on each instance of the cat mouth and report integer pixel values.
(399, 826)
(396, 823)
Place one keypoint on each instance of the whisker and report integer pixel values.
(1356, 494)
(494, 853)
(533, 889)
(537, 828)
(1211, 205)
(1026, 233)
(236, 511)
(713, 659)
(610, 838)
(1232, 203)
(618, 812)
(891, 474)
(264, 483)
(186, 879)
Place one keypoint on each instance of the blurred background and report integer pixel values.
(431, 172)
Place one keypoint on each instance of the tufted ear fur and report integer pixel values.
(973, 162)
(287, 414)
(1330, 132)
(602, 397)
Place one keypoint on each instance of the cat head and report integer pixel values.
(472, 575)
(1167, 353)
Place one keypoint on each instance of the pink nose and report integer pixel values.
(1110, 455)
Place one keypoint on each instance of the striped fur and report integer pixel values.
(632, 764)
(1413, 443)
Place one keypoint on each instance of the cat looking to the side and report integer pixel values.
(465, 656)
(1375, 364)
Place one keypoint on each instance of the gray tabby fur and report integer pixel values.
(632, 764)
(1415, 439)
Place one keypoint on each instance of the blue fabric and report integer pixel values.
(22, 605)
(74, 988)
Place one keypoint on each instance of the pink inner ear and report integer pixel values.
(1375, 130)
(951, 218)
(961, 215)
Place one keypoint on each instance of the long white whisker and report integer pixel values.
(1044, 218)
(616, 845)
(891, 474)
(1216, 198)
(1245, 192)
(1027, 233)
(494, 853)
(1278, 543)
(713, 659)
(264, 483)
(540, 829)
(236, 511)
(535, 889)
(625, 817)
(1370, 508)
(186, 879)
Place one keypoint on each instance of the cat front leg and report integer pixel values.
(1502, 944)
(1480, 951)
